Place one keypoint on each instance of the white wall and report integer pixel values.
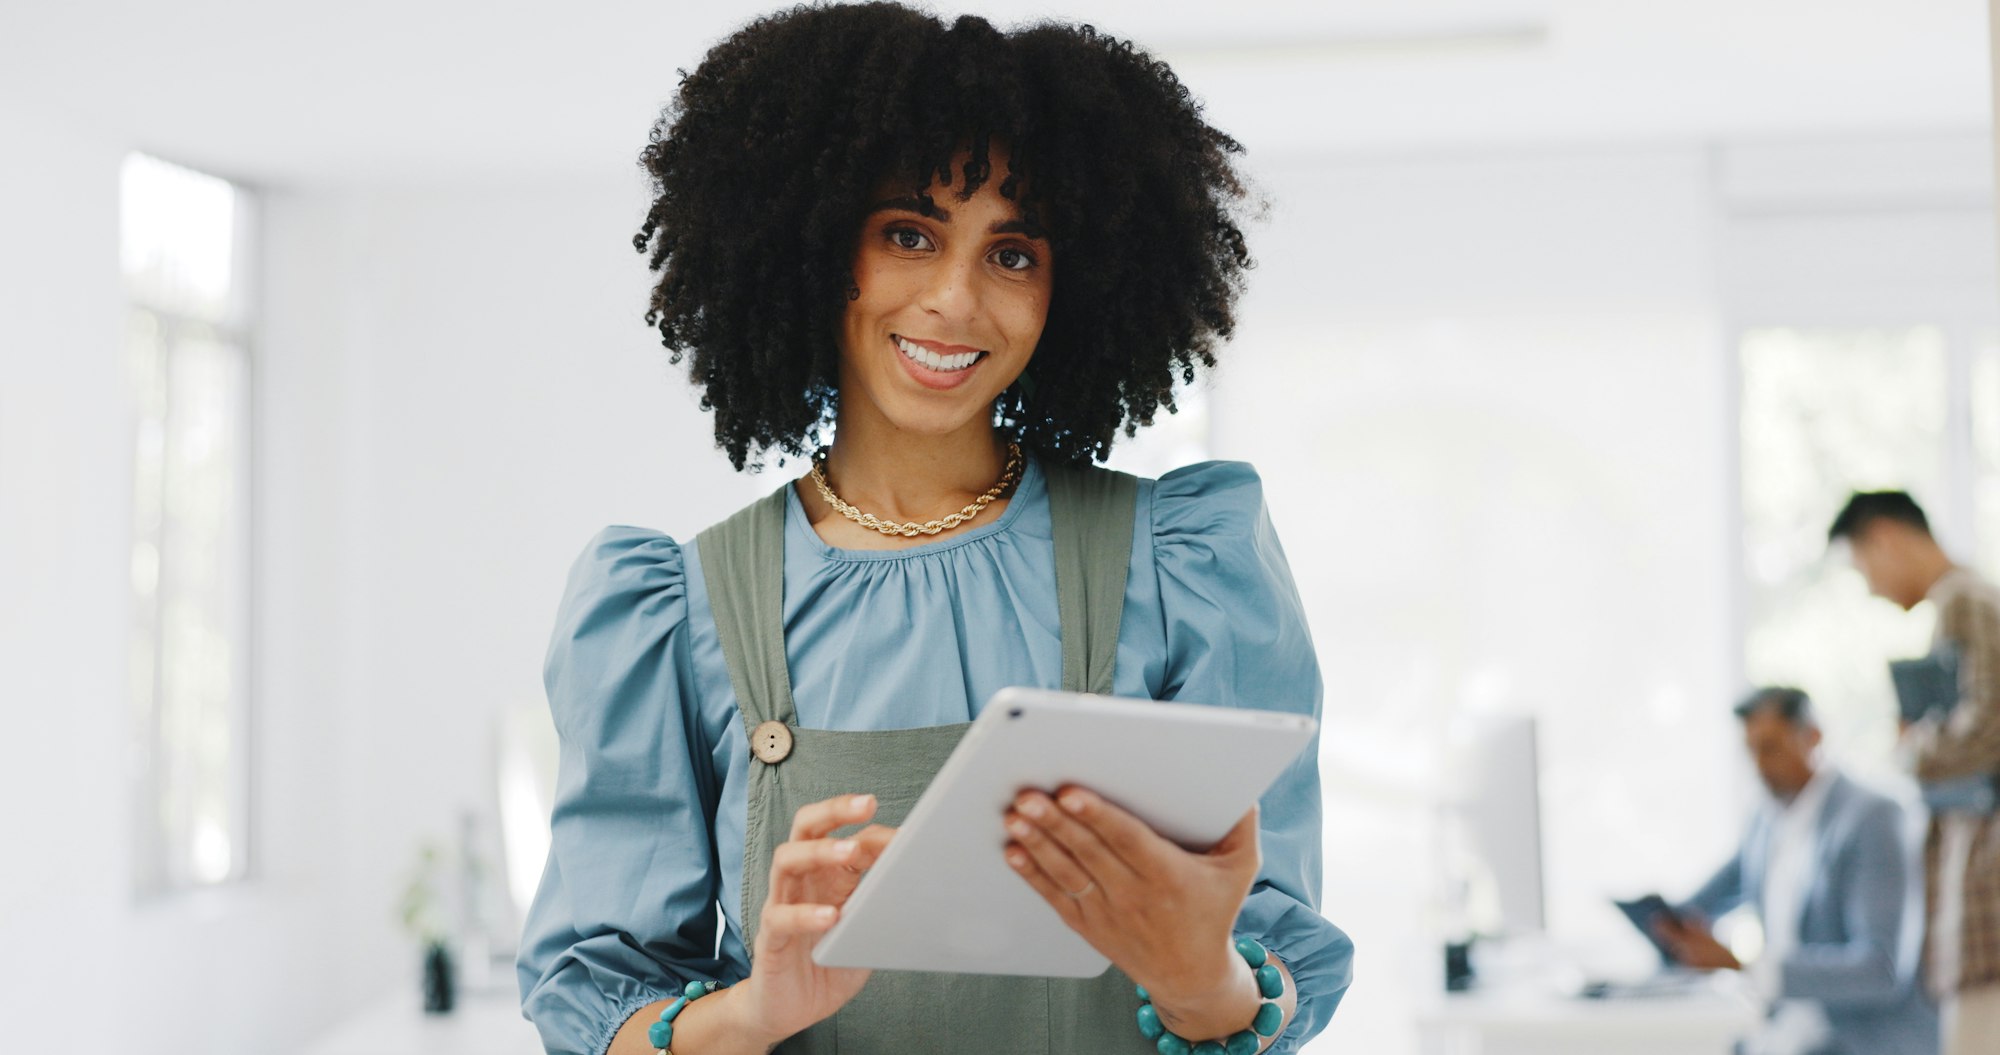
(233, 972)
(1869, 232)
(460, 392)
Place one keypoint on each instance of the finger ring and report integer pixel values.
(1087, 888)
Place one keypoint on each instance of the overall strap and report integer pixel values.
(743, 559)
(1091, 511)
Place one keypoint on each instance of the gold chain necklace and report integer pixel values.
(911, 529)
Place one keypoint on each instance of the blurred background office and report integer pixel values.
(1574, 322)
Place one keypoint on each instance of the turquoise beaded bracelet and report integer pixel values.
(1270, 985)
(661, 1033)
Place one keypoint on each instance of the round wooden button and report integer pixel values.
(771, 742)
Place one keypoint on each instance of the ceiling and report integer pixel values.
(427, 91)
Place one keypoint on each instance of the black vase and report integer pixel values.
(437, 980)
(1458, 975)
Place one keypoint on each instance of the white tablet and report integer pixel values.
(942, 897)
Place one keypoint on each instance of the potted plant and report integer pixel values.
(423, 919)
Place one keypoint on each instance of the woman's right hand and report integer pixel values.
(811, 879)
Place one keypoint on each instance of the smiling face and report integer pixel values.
(951, 306)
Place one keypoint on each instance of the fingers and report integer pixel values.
(825, 870)
(780, 925)
(1054, 893)
(795, 860)
(814, 821)
(874, 839)
(856, 853)
(1130, 839)
(1071, 856)
(1691, 948)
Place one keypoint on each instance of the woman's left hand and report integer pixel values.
(1162, 914)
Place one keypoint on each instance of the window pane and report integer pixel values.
(177, 238)
(147, 372)
(1825, 413)
(190, 548)
(1985, 397)
(202, 549)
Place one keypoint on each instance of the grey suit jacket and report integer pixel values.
(1850, 956)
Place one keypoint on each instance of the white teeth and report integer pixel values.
(931, 360)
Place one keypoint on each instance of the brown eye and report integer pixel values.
(1013, 260)
(908, 239)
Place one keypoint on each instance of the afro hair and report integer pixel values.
(764, 163)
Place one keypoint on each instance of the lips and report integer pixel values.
(937, 366)
(944, 358)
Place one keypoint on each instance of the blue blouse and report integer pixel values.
(647, 832)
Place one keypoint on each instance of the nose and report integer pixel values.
(953, 290)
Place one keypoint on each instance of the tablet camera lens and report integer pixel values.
(1013, 712)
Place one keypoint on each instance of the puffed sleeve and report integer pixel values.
(1236, 637)
(625, 913)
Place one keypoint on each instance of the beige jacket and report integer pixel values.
(1967, 743)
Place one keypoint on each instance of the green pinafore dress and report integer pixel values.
(907, 1011)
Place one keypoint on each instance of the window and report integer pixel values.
(183, 237)
(1984, 391)
(1826, 412)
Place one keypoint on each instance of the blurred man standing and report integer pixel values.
(1894, 551)
(1825, 868)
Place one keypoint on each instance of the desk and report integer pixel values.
(1526, 1020)
(483, 1023)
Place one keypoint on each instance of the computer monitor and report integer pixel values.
(1494, 840)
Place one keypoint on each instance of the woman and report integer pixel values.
(977, 256)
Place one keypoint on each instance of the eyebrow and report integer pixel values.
(914, 204)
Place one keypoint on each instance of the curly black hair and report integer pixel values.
(764, 164)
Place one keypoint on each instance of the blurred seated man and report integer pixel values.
(1824, 867)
